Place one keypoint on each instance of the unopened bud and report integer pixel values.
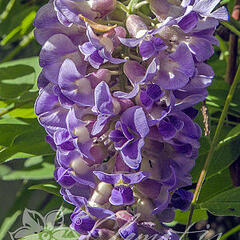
(103, 7)
(144, 209)
(101, 194)
(80, 166)
(136, 26)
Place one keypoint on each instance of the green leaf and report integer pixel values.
(9, 131)
(233, 135)
(4, 170)
(215, 185)
(198, 215)
(15, 80)
(43, 171)
(32, 161)
(223, 157)
(25, 111)
(29, 143)
(224, 204)
(20, 203)
(30, 62)
(51, 187)
(17, 77)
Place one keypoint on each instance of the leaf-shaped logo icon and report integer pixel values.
(54, 219)
(65, 233)
(37, 227)
(21, 232)
(33, 220)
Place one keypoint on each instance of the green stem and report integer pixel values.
(9, 6)
(111, 21)
(147, 18)
(213, 147)
(226, 121)
(131, 6)
(139, 5)
(122, 7)
(231, 28)
(25, 41)
(13, 108)
(230, 232)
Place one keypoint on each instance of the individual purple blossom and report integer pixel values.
(181, 199)
(102, 6)
(152, 47)
(105, 106)
(51, 113)
(129, 134)
(137, 76)
(75, 86)
(122, 193)
(55, 50)
(81, 222)
(47, 25)
(63, 177)
(200, 9)
(98, 50)
(175, 69)
(68, 11)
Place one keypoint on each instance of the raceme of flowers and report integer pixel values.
(116, 97)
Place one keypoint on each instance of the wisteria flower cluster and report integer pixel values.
(116, 97)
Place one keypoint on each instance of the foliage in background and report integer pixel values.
(23, 139)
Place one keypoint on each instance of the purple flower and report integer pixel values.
(129, 135)
(75, 86)
(105, 106)
(151, 47)
(98, 50)
(102, 6)
(55, 50)
(200, 9)
(182, 199)
(137, 76)
(122, 193)
(47, 25)
(51, 113)
(68, 11)
(81, 222)
(63, 177)
(175, 69)
(124, 134)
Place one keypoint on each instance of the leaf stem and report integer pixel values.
(147, 18)
(131, 6)
(139, 5)
(231, 28)
(213, 146)
(25, 41)
(14, 107)
(230, 232)
(122, 7)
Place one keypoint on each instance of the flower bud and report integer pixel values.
(103, 7)
(122, 217)
(136, 26)
(84, 86)
(99, 76)
(63, 177)
(114, 34)
(99, 153)
(80, 166)
(144, 208)
(82, 133)
(101, 194)
(165, 8)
